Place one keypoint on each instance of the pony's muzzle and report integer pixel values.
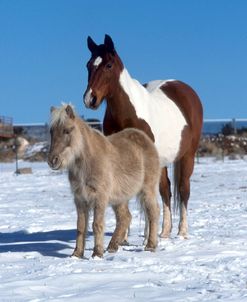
(54, 162)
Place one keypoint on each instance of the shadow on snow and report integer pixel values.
(40, 242)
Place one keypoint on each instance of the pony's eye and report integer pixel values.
(67, 131)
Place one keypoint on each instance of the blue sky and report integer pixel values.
(43, 51)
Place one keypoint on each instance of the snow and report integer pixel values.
(37, 237)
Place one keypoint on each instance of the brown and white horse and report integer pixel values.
(169, 111)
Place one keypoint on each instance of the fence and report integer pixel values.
(6, 127)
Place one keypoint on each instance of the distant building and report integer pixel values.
(39, 132)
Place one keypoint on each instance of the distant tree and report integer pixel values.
(242, 130)
(227, 129)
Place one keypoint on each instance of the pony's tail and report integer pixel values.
(176, 181)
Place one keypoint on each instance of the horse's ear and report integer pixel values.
(70, 112)
(52, 109)
(92, 46)
(109, 43)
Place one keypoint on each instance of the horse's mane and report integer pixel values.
(59, 115)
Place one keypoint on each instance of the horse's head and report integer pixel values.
(104, 68)
(64, 137)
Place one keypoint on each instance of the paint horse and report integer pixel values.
(105, 170)
(170, 112)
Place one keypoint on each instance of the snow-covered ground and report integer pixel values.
(37, 236)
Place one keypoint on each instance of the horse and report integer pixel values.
(168, 111)
(105, 170)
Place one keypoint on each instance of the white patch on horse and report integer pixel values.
(160, 112)
(97, 61)
(88, 97)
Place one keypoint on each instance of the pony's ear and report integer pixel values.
(92, 46)
(52, 109)
(109, 43)
(70, 112)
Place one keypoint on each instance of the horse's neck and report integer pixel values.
(130, 85)
(121, 101)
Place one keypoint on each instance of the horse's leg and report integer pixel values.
(98, 229)
(151, 208)
(82, 223)
(186, 169)
(123, 219)
(165, 192)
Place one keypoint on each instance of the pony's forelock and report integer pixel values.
(59, 115)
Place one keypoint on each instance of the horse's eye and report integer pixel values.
(108, 65)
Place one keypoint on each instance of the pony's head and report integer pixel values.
(66, 142)
(104, 68)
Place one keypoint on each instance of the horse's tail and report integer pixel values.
(176, 181)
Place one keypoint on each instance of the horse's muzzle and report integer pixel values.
(93, 102)
(90, 100)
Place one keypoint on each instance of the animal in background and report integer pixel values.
(168, 111)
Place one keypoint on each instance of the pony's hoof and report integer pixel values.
(96, 255)
(98, 252)
(77, 254)
(112, 248)
(125, 243)
(150, 248)
(183, 235)
(164, 235)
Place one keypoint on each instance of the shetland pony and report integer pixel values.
(168, 111)
(105, 170)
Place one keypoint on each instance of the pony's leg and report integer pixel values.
(82, 223)
(186, 170)
(98, 230)
(165, 192)
(123, 219)
(151, 208)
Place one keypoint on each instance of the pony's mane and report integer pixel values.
(59, 115)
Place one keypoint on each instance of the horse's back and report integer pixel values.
(189, 104)
(175, 110)
(185, 98)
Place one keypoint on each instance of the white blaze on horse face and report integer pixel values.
(161, 113)
(88, 97)
(97, 61)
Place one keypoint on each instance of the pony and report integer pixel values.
(105, 170)
(168, 111)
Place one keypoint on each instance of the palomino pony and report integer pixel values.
(105, 170)
(170, 112)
